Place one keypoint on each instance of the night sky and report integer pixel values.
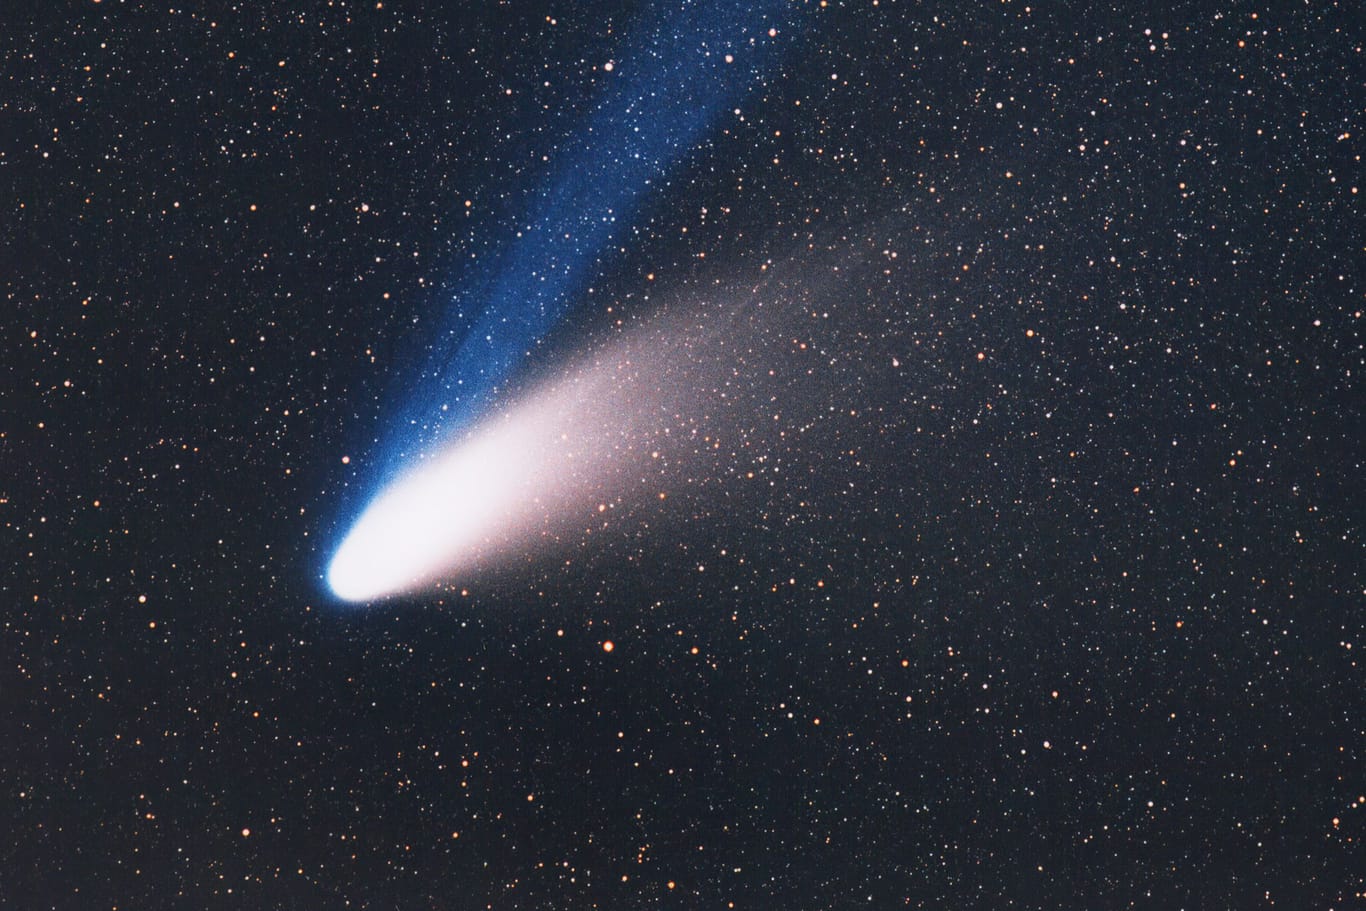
(985, 525)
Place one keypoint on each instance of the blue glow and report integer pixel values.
(691, 62)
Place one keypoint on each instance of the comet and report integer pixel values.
(474, 476)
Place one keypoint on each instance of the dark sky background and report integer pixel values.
(1034, 581)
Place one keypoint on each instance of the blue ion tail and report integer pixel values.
(689, 65)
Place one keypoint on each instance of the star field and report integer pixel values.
(983, 405)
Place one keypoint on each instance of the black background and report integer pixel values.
(1064, 610)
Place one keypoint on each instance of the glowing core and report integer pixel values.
(517, 477)
(419, 523)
